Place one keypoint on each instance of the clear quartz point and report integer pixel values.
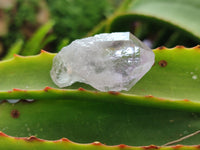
(108, 62)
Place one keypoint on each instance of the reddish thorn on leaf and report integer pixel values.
(162, 63)
(150, 147)
(65, 140)
(97, 143)
(81, 89)
(15, 113)
(161, 99)
(177, 146)
(16, 55)
(149, 96)
(33, 138)
(3, 134)
(43, 51)
(113, 92)
(122, 146)
(186, 100)
(161, 48)
(179, 46)
(197, 47)
(197, 146)
(19, 90)
(47, 88)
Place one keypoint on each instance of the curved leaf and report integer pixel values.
(110, 122)
(32, 47)
(14, 49)
(161, 22)
(111, 118)
(181, 71)
(39, 144)
(172, 11)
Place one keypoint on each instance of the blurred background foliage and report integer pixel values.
(20, 20)
(26, 26)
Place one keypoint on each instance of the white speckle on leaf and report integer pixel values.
(194, 77)
(13, 101)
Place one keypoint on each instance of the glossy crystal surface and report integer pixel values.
(108, 62)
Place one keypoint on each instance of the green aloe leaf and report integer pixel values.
(181, 71)
(33, 46)
(174, 21)
(48, 40)
(171, 11)
(14, 49)
(162, 107)
(40, 144)
(109, 121)
(62, 44)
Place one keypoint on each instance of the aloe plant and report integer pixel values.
(162, 107)
(160, 112)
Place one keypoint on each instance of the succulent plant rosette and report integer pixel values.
(160, 111)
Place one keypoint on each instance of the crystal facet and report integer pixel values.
(108, 62)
